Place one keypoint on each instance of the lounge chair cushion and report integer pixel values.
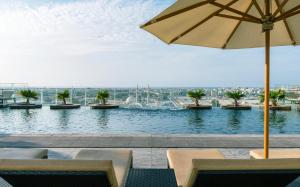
(121, 159)
(181, 160)
(42, 165)
(275, 153)
(18, 153)
(225, 165)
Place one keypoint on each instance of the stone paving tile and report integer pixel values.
(235, 153)
(53, 154)
(142, 158)
(159, 158)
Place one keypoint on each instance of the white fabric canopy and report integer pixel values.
(201, 23)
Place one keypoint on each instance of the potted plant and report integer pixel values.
(102, 97)
(275, 97)
(236, 95)
(63, 96)
(27, 95)
(197, 95)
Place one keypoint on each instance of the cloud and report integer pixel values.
(80, 27)
(99, 43)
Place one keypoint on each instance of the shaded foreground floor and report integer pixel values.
(144, 157)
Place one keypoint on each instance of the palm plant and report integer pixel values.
(196, 95)
(275, 96)
(102, 96)
(28, 94)
(236, 96)
(261, 97)
(63, 96)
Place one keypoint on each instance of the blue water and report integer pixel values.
(85, 120)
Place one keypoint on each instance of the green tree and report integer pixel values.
(102, 96)
(28, 94)
(196, 95)
(236, 96)
(275, 96)
(63, 96)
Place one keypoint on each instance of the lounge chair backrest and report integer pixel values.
(58, 173)
(234, 173)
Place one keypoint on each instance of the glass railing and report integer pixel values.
(144, 97)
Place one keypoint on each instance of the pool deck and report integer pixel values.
(147, 141)
(149, 151)
(144, 157)
(151, 157)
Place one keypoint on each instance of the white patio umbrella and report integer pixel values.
(231, 24)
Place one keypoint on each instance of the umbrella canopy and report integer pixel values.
(231, 24)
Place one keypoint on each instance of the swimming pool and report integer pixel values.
(87, 121)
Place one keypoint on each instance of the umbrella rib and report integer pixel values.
(288, 13)
(238, 18)
(177, 12)
(258, 8)
(201, 22)
(286, 24)
(279, 8)
(237, 25)
(235, 11)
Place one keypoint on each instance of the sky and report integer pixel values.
(98, 43)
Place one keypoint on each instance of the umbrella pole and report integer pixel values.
(267, 94)
(267, 84)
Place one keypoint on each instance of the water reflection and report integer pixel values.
(195, 118)
(277, 120)
(234, 119)
(103, 118)
(64, 118)
(4, 112)
(149, 121)
(28, 115)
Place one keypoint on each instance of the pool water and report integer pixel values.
(87, 121)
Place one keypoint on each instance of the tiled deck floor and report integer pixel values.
(149, 151)
(144, 157)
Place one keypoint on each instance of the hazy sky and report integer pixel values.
(99, 43)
